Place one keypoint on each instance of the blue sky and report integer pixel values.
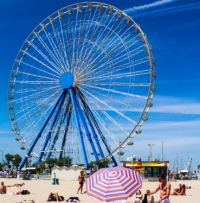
(173, 30)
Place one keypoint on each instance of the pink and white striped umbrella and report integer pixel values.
(111, 184)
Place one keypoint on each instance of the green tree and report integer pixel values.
(9, 158)
(42, 165)
(16, 160)
(51, 162)
(59, 163)
(67, 161)
(1, 166)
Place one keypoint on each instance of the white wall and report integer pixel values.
(64, 173)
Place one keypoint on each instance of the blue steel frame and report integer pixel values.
(58, 131)
(97, 127)
(39, 134)
(52, 127)
(65, 134)
(86, 127)
(79, 130)
(92, 129)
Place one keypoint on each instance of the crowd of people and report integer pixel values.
(53, 196)
(165, 188)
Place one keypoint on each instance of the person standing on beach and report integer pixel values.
(164, 188)
(81, 181)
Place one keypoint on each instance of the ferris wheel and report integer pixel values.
(82, 83)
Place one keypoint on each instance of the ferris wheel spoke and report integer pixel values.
(36, 82)
(115, 100)
(124, 57)
(104, 125)
(109, 44)
(107, 115)
(113, 109)
(56, 51)
(34, 75)
(96, 26)
(91, 70)
(34, 112)
(123, 75)
(51, 54)
(122, 67)
(34, 58)
(23, 117)
(94, 32)
(41, 70)
(60, 43)
(34, 95)
(135, 52)
(44, 56)
(117, 92)
(25, 90)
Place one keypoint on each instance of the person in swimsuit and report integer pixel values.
(16, 185)
(182, 191)
(164, 188)
(81, 181)
(2, 188)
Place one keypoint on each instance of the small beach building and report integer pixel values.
(67, 173)
(149, 169)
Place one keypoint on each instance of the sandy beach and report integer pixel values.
(41, 188)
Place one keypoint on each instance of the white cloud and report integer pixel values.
(175, 105)
(171, 10)
(146, 6)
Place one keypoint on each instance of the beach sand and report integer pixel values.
(40, 190)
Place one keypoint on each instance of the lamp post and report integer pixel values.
(151, 145)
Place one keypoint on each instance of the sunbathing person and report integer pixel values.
(182, 192)
(21, 192)
(73, 199)
(54, 197)
(2, 188)
(178, 189)
(16, 185)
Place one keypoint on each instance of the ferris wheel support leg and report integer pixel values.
(86, 127)
(39, 134)
(65, 134)
(52, 126)
(92, 129)
(57, 133)
(79, 130)
(98, 129)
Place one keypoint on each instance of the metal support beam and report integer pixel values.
(92, 129)
(39, 134)
(58, 130)
(79, 130)
(52, 127)
(97, 127)
(86, 127)
(65, 135)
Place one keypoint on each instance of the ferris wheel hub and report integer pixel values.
(66, 80)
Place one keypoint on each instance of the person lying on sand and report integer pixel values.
(73, 199)
(55, 197)
(2, 188)
(22, 192)
(16, 185)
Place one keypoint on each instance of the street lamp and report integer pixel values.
(151, 145)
